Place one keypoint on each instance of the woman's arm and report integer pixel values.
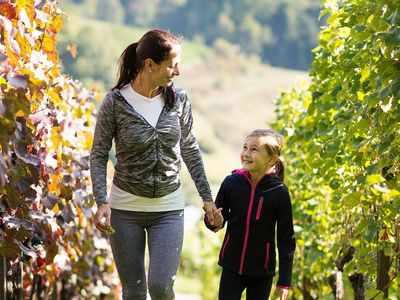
(190, 150)
(102, 141)
(191, 155)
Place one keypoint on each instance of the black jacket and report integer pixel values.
(252, 213)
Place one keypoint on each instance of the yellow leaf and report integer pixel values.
(48, 44)
(56, 24)
(54, 95)
(365, 72)
(56, 137)
(360, 95)
(56, 208)
(28, 6)
(54, 185)
(73, 49)
(87, 139)
(19, 113)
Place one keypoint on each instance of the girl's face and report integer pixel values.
(164, 72)
(254, 156)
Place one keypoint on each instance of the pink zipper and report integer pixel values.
(260, 204)
(224, 246)
(267, 256)
(246, 235)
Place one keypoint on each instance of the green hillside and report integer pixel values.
(231, 93)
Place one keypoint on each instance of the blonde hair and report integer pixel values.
(273, 147)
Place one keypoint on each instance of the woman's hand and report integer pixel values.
(209, 207)
(282, 293)
(103, 212)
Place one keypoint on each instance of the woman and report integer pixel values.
(151, 122)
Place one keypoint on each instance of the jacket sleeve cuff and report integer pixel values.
(283, 286)
(101, 202)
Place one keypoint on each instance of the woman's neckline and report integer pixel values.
(137, 94)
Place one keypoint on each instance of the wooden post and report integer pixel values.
(3, 282)
(19, 290)
(382, 282)
(357, 281)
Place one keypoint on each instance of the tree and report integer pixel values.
(343, 152)
(45, 135)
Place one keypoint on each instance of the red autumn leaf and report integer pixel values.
(8, 10)
(41, 262)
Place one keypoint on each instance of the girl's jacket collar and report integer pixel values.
(269, 180)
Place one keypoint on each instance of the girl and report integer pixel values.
(254, 201)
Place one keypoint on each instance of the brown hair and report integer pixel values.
(155, 44)
(273, 149)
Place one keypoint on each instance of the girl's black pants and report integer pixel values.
(232, 286)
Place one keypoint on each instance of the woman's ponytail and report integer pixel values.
(128, 68)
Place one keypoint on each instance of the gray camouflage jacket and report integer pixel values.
(148, 158)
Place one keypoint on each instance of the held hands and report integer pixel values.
(103, 212)
(282, 293)
(218, 219)
(213, 214)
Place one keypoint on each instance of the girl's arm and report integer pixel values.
(286, 240)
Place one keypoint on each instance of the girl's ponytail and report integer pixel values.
(280, 169)
(128, 68)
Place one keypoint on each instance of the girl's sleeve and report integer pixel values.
(286, 240)
(190, 151)
(102, 142)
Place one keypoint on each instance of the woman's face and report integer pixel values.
(165, 71)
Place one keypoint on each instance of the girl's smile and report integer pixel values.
(255, 158)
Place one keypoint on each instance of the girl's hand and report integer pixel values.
(103, 212)
(282, 293)
(218, 219)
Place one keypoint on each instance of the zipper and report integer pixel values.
(157, 162)
(246, 235)
(260, 204)
(224, 246)
(267, 256)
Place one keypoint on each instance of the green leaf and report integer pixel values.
(374, 178)
(334, 184)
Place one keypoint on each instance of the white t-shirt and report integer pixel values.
(150, 109)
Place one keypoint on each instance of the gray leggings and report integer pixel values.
(165, 238)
